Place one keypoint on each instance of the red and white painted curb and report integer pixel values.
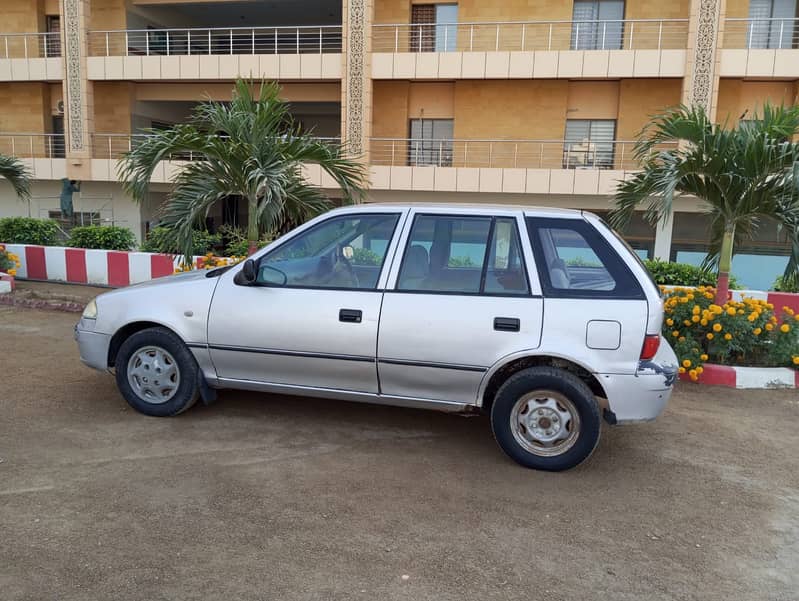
(86, 266)
(747, 377)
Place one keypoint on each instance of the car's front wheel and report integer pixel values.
(546, 418)
(156, 373)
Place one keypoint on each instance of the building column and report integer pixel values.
(663, 235)
(356, 82)
(78, 97)
(705, 33)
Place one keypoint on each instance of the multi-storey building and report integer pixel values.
(518, 101)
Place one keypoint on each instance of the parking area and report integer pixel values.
(266, 497)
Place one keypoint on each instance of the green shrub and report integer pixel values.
(666, 273)
(236, 241)
(365, 256)
(785, 285)
(105, 237)
(164, 240)
(27, 230)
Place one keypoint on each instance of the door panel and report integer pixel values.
(294, 336)
(439, 346)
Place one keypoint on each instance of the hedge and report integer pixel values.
(105, 237)
(28, 230)
(682, 274)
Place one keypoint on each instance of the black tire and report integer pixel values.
(187, 390)
(559, 381)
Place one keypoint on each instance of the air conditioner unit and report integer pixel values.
(60, 107)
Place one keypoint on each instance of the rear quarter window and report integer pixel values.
(575, 261)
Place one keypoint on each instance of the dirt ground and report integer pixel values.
(265, 497)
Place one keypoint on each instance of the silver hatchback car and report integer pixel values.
(541, 318)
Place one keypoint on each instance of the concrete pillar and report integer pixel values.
(356, 84)
(78, 97)
(705, 33)
(663, 235)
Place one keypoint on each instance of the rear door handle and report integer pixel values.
(350, 315)
(507, 324)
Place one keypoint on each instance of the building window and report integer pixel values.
(53, 43)
(431, 142)
(58, 148)
(434, 27)
(589, 143)
(772, 24)
(597, 25)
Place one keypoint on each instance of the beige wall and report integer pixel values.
(737, 96)
(113, 106)
(431, 101)
(510, 109)
(593, 100)
(108, 14)
(737, 8)
(24, 106)
(390, 109)
(22, 16)
(639, 99)
(657, 9)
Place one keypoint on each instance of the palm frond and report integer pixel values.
(17, 174)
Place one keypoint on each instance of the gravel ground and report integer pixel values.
(266, 497)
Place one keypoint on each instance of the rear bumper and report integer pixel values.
(93, 348)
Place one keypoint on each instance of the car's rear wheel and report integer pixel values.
(156, 373)
(546, 418)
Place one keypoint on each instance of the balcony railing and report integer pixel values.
(530, 154)
(631, 34)
(218, 40)
(113, 146)
(30, 45)
(33, 146)
(761, 33)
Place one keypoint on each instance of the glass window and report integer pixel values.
(342, 252)
(431, 142)
(573, 259)
(448, 254)
(589, 143)
(505, 270)
(597, 25)
(434, 27)
(771, 24)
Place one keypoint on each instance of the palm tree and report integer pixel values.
(249, 147)
(742, 175)
(17, 175)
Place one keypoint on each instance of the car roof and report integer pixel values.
(459, 207)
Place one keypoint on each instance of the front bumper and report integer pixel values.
(93, 346)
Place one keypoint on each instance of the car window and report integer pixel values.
(341, 252)
(574, 260)
(463, 254)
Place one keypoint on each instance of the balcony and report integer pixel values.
(513, 166)
(43, 154)
(760, 48)
(536, 49)
(30, 57)
(216, 53)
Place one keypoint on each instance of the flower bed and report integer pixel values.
(745, 332)
(208, 261)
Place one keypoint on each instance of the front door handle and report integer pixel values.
(350, 315)
(507, 324)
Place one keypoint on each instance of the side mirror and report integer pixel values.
(247, 275)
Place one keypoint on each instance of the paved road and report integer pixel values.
(285, 498)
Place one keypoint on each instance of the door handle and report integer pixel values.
(350, 315)
(507, 324)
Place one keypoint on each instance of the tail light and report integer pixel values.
(651, 345)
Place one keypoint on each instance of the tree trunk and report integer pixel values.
(725, 262)
(252, 225)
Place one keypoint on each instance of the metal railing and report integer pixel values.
(630, 34)
(30, 45)
(216, 40)
(33, 146)
(530, 154)
(113, 146)
(761, 33)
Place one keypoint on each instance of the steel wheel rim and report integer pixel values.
(545, 423)
(153, 374)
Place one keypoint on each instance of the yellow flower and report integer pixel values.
(681, 370)
(703, 322)
(751, 316)
(695, 318)
(731, 311)
(717, 327)
(669, 322)
(796, 317)
(710, 335)
(785, 328)
(703, 357)
(686, 322)
(686, 363)
(12, 272)
(769, 326)
(696, 310)
(675, 333)
(727, 336)
(716, 309)
(700, 369)
(795, 359)
(694, 374)
(757, 331)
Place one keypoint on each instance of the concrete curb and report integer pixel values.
(746, 377)
(39, 303)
